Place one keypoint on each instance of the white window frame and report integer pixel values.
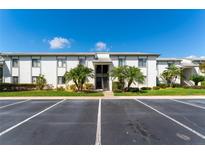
(62, 81)
(15, 64)
(38, 64)
(14, 80)
(62, 62)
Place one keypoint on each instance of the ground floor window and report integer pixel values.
(34, 78)
(15, 79)
(61, 80)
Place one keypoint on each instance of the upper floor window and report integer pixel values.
(61, 63)
(170, 64)
(15, 79)
(35, 62)
(15, 62)
(142, 62)
(82, 60)
(121, 61)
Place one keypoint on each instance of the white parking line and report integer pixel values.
(98, 131)
(35, 115)
(194, 105)
(1, 107)
(170, 118)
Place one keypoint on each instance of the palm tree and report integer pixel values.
(79, 75)
(120, 74)
(170, 75)
(133, 75)
(202, 67)
(129, 74)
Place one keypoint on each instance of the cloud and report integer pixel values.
(59, 43)
(101, 46)
(193, 56)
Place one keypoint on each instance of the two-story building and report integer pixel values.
(25, 67)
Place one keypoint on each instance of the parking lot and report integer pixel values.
(102, 121)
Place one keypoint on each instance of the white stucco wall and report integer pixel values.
(25, 69)
(7, 70)
(48, 69)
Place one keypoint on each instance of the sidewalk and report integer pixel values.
(104, 97)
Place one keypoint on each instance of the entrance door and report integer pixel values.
(102, 77)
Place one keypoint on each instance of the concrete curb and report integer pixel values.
(103, 97)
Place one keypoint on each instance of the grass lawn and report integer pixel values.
(164, 92)
(48, 93)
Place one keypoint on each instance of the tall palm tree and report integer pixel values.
(133, 75)
(170, 75)
(79, 75)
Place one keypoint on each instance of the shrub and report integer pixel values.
(133, 89)
(116, 86)
(175, 85)
(203, 83)
(197, 79)
(41, 82)
(60, 88)
(49, 87)
(73, 87)
(163, 86)
(89, 86)
(17, 87)
(146, 88)
(156, 88)
(194, 87)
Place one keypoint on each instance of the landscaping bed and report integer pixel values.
(164, 92)
(48, 93)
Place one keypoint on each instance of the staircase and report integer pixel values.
(188, 83)
(108, 93)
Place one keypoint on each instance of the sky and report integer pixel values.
(171, 33)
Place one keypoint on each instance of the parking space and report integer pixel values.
(71, 122)
(106, 121)
(130, 122)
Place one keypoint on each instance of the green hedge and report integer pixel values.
(16, 87)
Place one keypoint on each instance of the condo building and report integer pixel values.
(25, 67)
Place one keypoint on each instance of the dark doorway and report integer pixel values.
(102, 77)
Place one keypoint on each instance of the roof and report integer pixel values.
(75, 53)
(169, 59)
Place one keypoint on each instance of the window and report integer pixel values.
(142, 62)
(121, 62)
(35, 62)
(15, 79)
(82, 60)
(34, 78)
(15, 62)
(61, 80)
(61, 63)
(170, 64)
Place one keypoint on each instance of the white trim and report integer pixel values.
(1, 107)
(98, 131)
(194, 105)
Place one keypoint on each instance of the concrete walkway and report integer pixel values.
(104, 97)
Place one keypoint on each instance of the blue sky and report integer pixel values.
(172, 33)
